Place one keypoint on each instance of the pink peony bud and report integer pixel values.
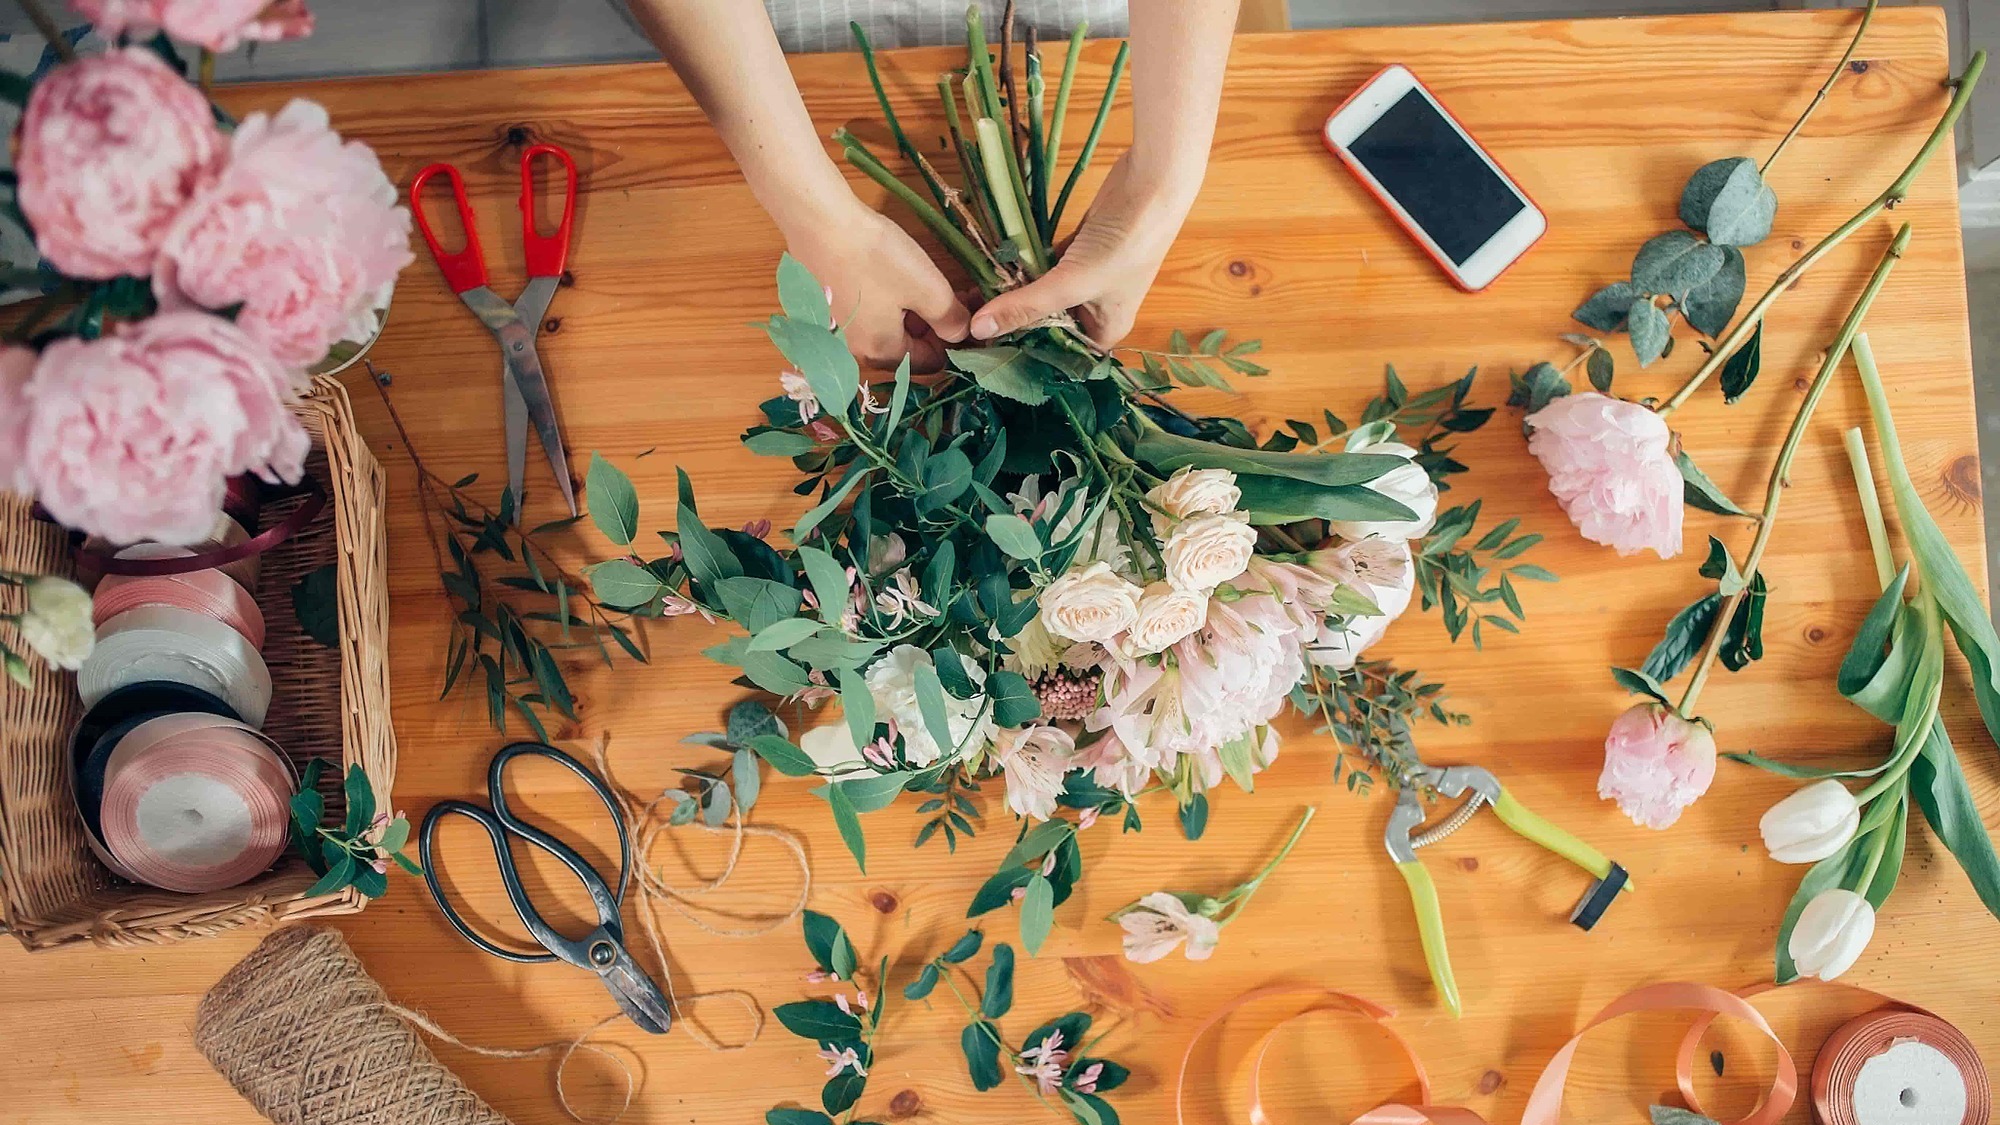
(1656, 763)
(111, 148)
(219, 25)
(132, 436)
(301, 230)
(1610, 466)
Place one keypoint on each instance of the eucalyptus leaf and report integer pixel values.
(1037, 914)
(1650, 331)
(1015, 536)
(749, 780)
(613, 502)
(800, 294)
(750, 719)
(1674, 1115)
(1600, 367)
(783, 634)
(1711, 306)
(821, 356)
(784, 757)
(1605, 309)
(870, 792)
(1742, 208)
(1674, 263)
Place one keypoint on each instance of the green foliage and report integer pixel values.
(1373, 710)
(316, 603)
(358, 852)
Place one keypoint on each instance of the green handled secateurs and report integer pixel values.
(1406, 833)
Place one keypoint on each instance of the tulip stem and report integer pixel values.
(1877, 845)
(1780, 472)
(1871, 506)
(1893, 195)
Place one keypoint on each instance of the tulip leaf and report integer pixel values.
(1886, 873)
(1169, 452)
(1280, 499)
(1875, 673)
(1940, 791)
(1788, 769)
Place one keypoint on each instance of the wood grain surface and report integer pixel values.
(656, 365)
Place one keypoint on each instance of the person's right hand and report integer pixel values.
(888, 296)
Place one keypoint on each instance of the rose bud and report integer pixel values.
(1811, 824)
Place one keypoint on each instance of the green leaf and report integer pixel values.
(1710, 307)
(1735, 205)
(821, 1021)
(998, 890)
(708, 557)
(749, 780)
(1650, 331)
(1639, 683)
(857, 705)
(930, 703)
(613, 502)
(818, 513)
(965, 948)
(1744, 642)
(1698, 491)
(1014, 702)
(623, 584)
(1938, 784)
(1005, 371)
(1089, 1109)
(784, 757)
(1600, 367)
(1039, 841)
(749, 719)
(1605, 309)
(1673, 1115)
(899, 397)
(822, 357)
(316, 604)
(999, 997)
(783, 634)
(757, 603)
(802, 296)
(1194, 816)
(778, 443)
(1536, 387)
(1740, 370)
(870, 793)
(1277, 500)
(980, 1043)
(360, 801)
(849, 823)
(1015, 536)
(785, 1116)
(844, 1089)
(1878, 646)
(1037, 915)
(1891, 868)
(829, 583)
(370, 882)
(828, 944)
(1674, 263)
(1239, 761)
(339, 874)
(1720, 568)
(1685, 636)
(1169, 452)
(926, 982)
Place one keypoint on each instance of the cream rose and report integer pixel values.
(1091, 604)
(1166, 615)
(1207, 551)
(1196, 492)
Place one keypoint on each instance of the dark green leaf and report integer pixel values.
(998, 890)
(844, 1089)
(1005, 371)
(1685, 636)
(1871, 651)
(785, 1116)
(370, 882)
(821, 1021)
(849, 823)
(1744, 642)
(965, 948)
(870, 793)
(1639, 683)
(1605, 309)
(1698, 491)
(926, 981)
(1672, 1115)
(828, 944)
(360, 801)
(981, 1045)
(1536, 387)
(1650, 331)
(1169, 452)
(613, 502)
(999, 998)
(1276, 500)
(1741, 369)
(339, 874)
(316, 603)
(1600, 367)
(1014, 701)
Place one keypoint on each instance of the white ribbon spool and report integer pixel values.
(163, 643)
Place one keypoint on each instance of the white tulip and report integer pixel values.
(1408, 485)
(1831, 932)
(1811, 824)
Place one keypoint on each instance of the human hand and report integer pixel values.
(1108, 265)
(888, 296)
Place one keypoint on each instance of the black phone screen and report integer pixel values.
(1430, 169)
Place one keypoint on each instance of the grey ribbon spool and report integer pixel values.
(178, 645)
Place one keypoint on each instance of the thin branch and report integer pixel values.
(1825, 89)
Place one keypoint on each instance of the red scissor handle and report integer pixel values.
(546, 253)
(467, 268)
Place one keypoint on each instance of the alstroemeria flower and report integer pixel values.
(1159, 923)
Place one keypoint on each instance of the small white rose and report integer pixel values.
(1196, 492)
(1207, 551)
(1091, 604)
(1408, 485)
(1166, 615)
(57, 622)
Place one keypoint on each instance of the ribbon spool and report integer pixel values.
(228, 548)
(98, 734)
(196, 803)
(163, 643)
(210, 593)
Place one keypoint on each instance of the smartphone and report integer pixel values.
(1453, 198)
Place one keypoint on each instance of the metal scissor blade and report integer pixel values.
(519, 345)
(638, 997)
(516, 410)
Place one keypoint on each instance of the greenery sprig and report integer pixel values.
(356, 854)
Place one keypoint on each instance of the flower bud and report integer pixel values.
(1831, 932)
(1811, 824)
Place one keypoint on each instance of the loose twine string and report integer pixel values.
(654, 890)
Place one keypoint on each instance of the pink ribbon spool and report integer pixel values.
(210, 593)
(196, 803)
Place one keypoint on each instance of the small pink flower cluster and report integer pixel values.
(264, 248)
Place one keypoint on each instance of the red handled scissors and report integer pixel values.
(515, 327)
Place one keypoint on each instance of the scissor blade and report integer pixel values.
(516, 409)
(638, 997)
(518, 344)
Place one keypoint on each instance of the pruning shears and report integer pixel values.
(1406, 833)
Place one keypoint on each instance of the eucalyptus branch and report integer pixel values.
(1096, 130)
(1866, 18)
(1780, 471)
(1892, 196)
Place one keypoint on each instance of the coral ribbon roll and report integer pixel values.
(196, 803)
(179, 645)
(210, 593)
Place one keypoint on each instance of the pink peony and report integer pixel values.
(1656, 763)
(301, 230)
(1609, 464)
(219, 25)
(17, 364)
(132, 436)
(111, 148)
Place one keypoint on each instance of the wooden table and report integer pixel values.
(650, 350)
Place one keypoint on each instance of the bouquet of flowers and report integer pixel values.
(1035, 568)
(192, 270)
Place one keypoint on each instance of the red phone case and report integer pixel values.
(1449, 269)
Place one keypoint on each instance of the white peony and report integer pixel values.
(1034, 760)
(1196, 492)
(1207, 551)
(893, 682)
(57, 622)
(1166, 615)
(1090, 604)
(1408, 485)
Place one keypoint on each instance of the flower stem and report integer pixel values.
(1774, 492)
(1894, 195)
(1825, 89)
(903, 144)
(46, 26)
(1096, 131)
(1871, 502)
(960, 246)
(1240, 897)
(1063, 87)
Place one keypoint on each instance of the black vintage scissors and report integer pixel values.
(602, 951)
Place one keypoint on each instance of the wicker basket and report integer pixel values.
(326, 704)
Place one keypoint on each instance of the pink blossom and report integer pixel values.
(1045, 1063)
(757, 528)
(840, 1060)
(1610, 466)
(1656, 763)
(112, 147)
(1086, 1079)
(219, 25)
(816, 976)
(1086, 819)
(1034, 760)
(300, 229)
(1157, 924)
(132, 436)
(17, 364)
(858, 1004)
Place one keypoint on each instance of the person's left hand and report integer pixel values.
(1109, 264)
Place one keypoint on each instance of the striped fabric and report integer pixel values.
(821, 25)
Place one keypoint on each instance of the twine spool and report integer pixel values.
(1899, 1067)
(309, 1038)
